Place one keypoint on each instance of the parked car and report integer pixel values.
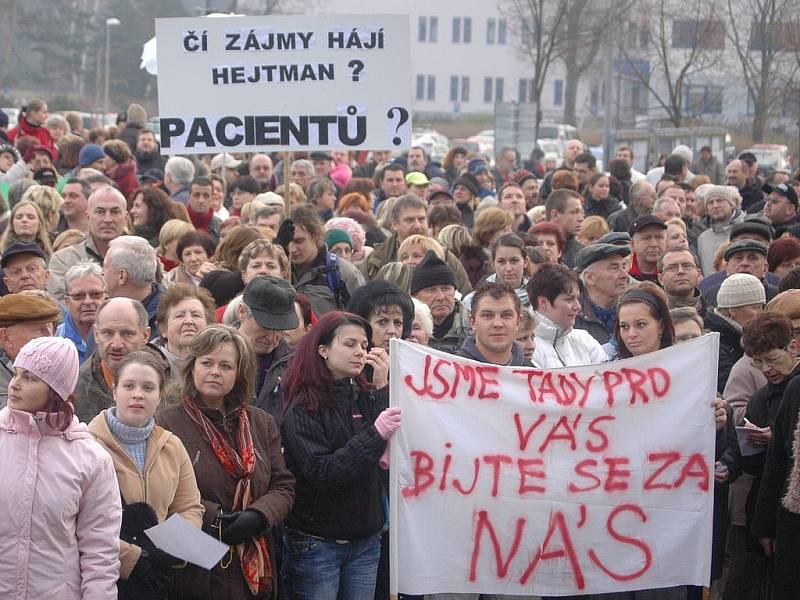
(771, 157)
(557, 131)
(485, 141)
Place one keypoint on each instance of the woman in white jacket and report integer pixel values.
(59, 535)
(554, 294)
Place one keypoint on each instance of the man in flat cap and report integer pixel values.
(23, 317)
(745, 256)
(24, 268)
(604, 278)
(266, 312)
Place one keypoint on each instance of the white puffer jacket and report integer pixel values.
(556, 347)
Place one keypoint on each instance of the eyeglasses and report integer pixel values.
(673, 268)
(96, 296)
(342, 251)
(769, 361)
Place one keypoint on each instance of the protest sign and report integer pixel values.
(523, 481)
(298, 82)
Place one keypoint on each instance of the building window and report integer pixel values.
(708, 34)
(502, 32)
(491, 31)
(558, 92)
(703, 99)
(431, 95)
(453, 88)
(525, 36)
(467, 30)
(420, 87)
(465, 89)
(498, 89)
(428, 29)
(456, 30)
(522, 92)
(488, 86)
(644, 37)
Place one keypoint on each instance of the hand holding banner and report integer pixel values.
(572, 481)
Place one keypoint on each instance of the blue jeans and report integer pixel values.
(315, 568)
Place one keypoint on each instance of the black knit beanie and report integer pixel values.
(431, 271)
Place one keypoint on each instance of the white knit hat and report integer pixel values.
(740, 289)
(726, 192)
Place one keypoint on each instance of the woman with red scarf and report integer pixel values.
(235, 449)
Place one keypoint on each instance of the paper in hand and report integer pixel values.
(746, 448)
(176, 536)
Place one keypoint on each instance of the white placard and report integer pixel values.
(298, 82)
(572, 481)
(176, 536)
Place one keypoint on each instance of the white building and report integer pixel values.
(464, 59)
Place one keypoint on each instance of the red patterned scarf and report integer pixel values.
(253, 554)
(199, 220)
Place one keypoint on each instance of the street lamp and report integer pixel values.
(110, 22)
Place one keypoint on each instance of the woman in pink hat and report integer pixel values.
(59, 535)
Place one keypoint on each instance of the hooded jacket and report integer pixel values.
(59, 536)
(556, 347)
(470, 350)
(711, 238)
(167, 484)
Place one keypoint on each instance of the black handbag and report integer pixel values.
(136, 518)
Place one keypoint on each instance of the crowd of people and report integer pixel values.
(199, 336)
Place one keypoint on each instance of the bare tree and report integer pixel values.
(588, 26)
(763, 35)
(538, 25)
(687, 39)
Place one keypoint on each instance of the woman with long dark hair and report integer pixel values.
(334, 433)
(150, 209)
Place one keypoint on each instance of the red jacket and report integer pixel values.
(40, 133)
(124, 176)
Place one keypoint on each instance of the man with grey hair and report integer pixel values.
(302, 172)
(107, 221)
(85, 291)
(178, 174)
(642, 198)
(120, 328)
(409, 216)
(130, 272)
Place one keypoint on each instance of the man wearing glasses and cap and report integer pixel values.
(781, 207)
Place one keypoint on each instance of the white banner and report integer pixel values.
(299, 82)
(571, 481)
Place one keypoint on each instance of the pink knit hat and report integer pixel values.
(54, 360)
